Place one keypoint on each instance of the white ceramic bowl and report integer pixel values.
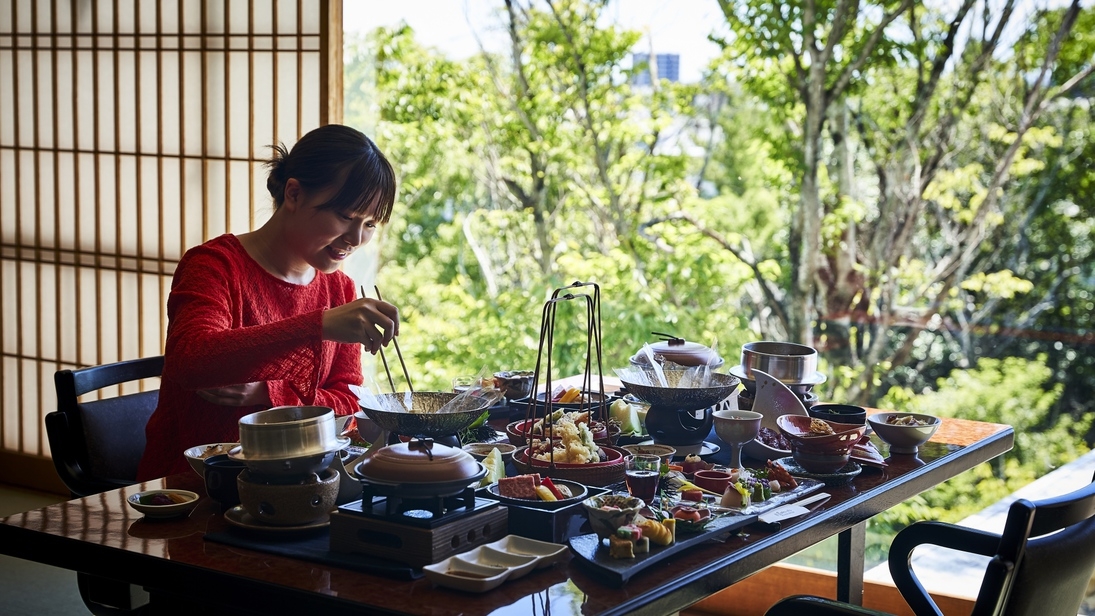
(196, 455)
(145, 503)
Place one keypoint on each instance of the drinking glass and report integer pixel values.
(462, 384)
(641, 474)
(737, 428)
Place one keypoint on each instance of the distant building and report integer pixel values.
(665, 66)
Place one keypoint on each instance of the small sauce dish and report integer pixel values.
(163, 503)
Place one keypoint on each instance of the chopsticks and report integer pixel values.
(383, 359)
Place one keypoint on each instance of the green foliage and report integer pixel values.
(1013, 391)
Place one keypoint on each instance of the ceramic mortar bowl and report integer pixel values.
(839, 413)
(295, 504)
(904, 438)
(608, 512)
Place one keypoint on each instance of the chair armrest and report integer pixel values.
(933, 533)
(806, 605)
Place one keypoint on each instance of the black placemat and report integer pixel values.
(315, 547)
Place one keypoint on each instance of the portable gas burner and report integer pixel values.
(416, 530)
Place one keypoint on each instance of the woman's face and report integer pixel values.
(324, 238)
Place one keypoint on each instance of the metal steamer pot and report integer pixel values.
(420, 468)
(682, 415)
(285, 443)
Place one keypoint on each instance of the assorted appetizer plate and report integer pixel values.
(488, 566)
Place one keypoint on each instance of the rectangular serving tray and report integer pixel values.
(592, 554)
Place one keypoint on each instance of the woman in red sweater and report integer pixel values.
(266, 318)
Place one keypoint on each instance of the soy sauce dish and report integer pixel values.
(163, 503)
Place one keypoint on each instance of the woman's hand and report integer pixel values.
(369, 322)
(244, 394)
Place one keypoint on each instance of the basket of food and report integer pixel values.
(566, 449)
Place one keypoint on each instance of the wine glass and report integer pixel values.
(736, 428)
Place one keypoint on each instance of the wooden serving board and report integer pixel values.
(591, 552)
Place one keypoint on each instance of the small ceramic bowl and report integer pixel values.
(479, 451)
(715, 481)
(665, 452)
(820, 463)
(196, 455)
(839, 413)
(904, 438)
(621, 511)
(163, 503)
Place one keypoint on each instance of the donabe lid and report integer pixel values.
(685, 353)
(418, 461)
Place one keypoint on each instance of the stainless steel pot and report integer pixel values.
(785, 361)
(289, 432)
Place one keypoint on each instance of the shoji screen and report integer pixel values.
(131, 130)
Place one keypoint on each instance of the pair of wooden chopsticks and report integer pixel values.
(406, 375)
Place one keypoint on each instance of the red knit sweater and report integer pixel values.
(231, 322)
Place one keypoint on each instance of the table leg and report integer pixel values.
(851, 544)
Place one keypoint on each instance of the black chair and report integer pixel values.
(96, 447)
(1040, 564)
(97, 444)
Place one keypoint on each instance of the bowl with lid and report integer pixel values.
(421, 467)
(678, 351)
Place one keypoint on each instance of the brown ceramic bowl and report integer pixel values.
(797, 430)
(295, 504)
(820, 463)
(715, 481)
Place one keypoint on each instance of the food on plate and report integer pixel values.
(904, 420)
(780, 474)
(521, 486)
(627, 541)
(692, 495)
(686, 513)
(496, 468)
(618, 547)
(214, 450)
(573, 443)
(660, 533)
(693, 463)
(627, 416)
(163, 498)
(545, 493)
(736, 496)
(774, 439)
(820, 427)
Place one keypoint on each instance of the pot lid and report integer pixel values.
(418, 461)
(684, 352)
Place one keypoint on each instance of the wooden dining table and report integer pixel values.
(176, 563)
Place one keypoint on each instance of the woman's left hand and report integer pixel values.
(245, 394)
